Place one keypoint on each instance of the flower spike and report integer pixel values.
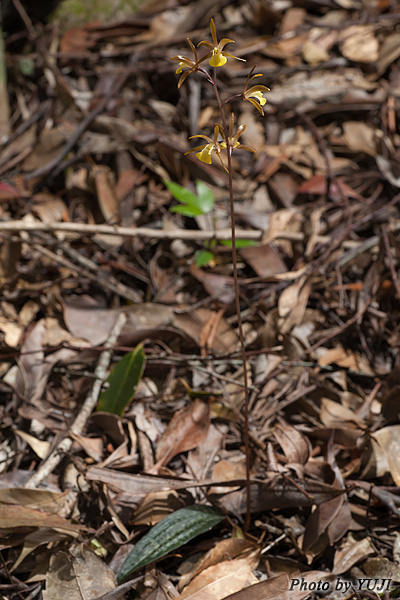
(255, 93)
(217, 56)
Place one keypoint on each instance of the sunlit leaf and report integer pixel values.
(192, 205)
(239, 243)
(205, 197)
(203, 257)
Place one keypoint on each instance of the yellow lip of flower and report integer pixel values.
(216, 56)
(204, 152)
(217, 59)
(255, 93)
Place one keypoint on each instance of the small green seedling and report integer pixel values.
(191, 205)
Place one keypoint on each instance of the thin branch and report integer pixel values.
(86, 410)
(161, 234)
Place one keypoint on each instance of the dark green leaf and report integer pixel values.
(169, 534)
(122, 382)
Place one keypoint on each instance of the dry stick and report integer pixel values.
(88, 406)
(109, 282)
(176, 234)
(237, 302)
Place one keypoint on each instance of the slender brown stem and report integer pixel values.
(237, 302)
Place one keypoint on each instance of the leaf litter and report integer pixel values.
(94, 137)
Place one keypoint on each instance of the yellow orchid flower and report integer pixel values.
(233, 138)
(204, 152)
(217, 55)
(184, 62)
(255, 93)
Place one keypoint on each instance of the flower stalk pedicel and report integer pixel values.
(225, 138)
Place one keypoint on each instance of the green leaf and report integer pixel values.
(239, 243)
(173, 531)
(187, 210)
(122, 382)
(205, 197)
(180, 193)
(203, 257)
(193, 205)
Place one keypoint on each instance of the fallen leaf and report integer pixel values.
(78, 575)
(350, 553)
(228, 576)
(360, 44)
(14, 515)
(388, 439)
(186, 430)
(222, 551)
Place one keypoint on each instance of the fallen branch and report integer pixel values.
(78, 426)
(161, 234)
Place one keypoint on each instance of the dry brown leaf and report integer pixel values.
(388, 439)
(155, 506)
(264, 260)
(382, 568)
(350, 553)
(222, 551)
(388, 52)
(40, 447)
(78, 575)
(193, 323)
(187, 429)
(229, 576)
(44, 500)
(293, 443)
(106, 194)
(345, 358)
(313, 53)
(292, 304)
(360, 44)
(14, 515)
(360, 137)
(162, 269)
(220, 286)
(334, 415)
(271, 589)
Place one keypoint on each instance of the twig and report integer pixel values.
(88, 406)
(56, 163)
(161, 234)
(108, 282)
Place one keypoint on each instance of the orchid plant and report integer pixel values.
(225, 138)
